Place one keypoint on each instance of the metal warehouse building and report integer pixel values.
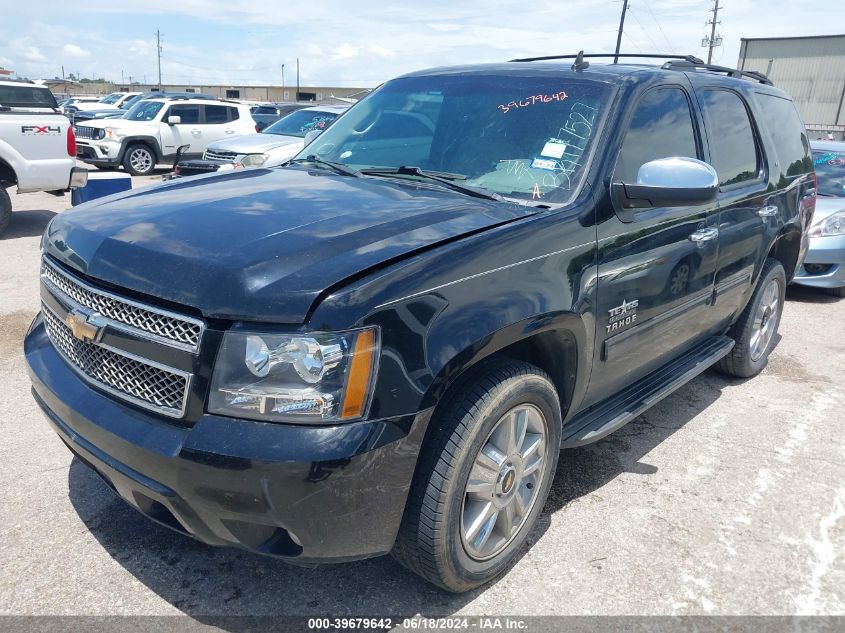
(811, 69)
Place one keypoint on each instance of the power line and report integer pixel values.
(633, 43)
(662, 32)
(647, 34)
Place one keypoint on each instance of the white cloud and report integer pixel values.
(362, 44)
(75, 51)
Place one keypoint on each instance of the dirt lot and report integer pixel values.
(726, 498)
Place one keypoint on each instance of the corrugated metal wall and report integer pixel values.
(811, 69)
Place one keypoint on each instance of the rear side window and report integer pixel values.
(27, 97)
(733, 148)
(189, 113)
(233, 114)
(660, 128)
(784, 124)
(216, 114)
(264, 110)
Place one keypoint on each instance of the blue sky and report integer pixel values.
(361, 43)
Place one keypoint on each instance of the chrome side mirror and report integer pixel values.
(668, 182)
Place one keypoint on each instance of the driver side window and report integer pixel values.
(660, 128)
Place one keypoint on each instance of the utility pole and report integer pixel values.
(711, 44)
(158, 49)
(297, 79)
(621, 26)
(283, 82)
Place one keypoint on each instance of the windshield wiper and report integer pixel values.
(340, 168)
(443, 178)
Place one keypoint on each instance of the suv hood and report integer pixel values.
(253, 143)
(260, 244)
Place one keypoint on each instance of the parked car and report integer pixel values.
(112, 100)
(37, 145)
(115, 113)
(72, 103)
(268, 113)
(824, 266)
(153, 130)
(278, 143)
(383, 345)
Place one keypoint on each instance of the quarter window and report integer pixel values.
(732, 146)
(660, 128)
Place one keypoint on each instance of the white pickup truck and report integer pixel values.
(37, 145)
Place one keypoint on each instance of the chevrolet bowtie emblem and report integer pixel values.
(84, 327)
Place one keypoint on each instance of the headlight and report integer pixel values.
(112, 133)
(253, 160)
(833, 224)
(307, 378)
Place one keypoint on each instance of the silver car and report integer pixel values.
(824, 266)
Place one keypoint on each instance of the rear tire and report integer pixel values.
(139, 160)
(471, 506)
(756, 328)
(5, 209)
(837, 292)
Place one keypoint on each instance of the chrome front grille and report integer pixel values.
(226, 157)
(86, 131)
(126, 376)
(183, 331)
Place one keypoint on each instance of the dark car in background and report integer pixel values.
(268, 113)
(383, 345)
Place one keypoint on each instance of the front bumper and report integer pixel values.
(824, 265)
(98, 152)
(307, 493)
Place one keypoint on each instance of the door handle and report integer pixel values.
(229, 131)
(195, 130)
(702, 236)
(767, 211)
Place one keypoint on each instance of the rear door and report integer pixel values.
(749, 204)
(655, 283)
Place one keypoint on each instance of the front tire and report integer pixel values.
(483, 476)
(139, 160)
(837, 292)
(756, 328)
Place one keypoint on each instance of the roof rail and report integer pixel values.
(730, 72)
(687, 58)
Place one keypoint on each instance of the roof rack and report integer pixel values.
(686, 64)
(687, 58)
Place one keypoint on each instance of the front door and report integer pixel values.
(655, 270)
(186, 132)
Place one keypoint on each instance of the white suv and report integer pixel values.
(153, 130)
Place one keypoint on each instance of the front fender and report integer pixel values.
(443, 311)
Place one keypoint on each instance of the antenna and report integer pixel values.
(579, 63)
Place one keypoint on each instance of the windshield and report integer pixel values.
(830, 171)
(524, 137)
(144, 111)
(301, 122)
(126, 105)
(112, 98)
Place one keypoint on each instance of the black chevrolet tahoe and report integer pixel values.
(383, 346)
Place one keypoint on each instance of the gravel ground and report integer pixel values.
(726, 498)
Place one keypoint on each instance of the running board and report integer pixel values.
(606, 417)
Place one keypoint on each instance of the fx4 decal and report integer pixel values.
(41, 130)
